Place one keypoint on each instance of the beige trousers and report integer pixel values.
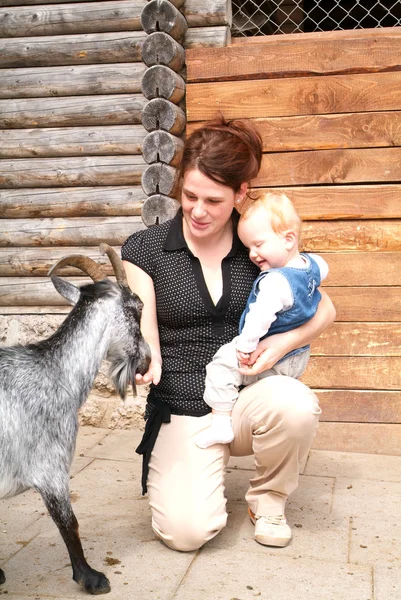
(275, 419)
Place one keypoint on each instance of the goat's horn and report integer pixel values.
(116, 262)
(84, 263)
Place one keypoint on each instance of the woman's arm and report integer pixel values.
(274, 347)
(142, 285)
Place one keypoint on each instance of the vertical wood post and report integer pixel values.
(163, 115)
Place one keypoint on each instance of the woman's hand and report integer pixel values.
(268, 352)
(153, 374)
(271, 349)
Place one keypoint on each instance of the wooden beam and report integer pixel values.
(372, 438)
(199, 13)
(319, 132)
(160, 113)
(360, 406)
(360, 201)
(330, 166)
(160, 81)
(359, 339)
(282, 56)
(350, 268)
(372, 304)
(368, 373)
(294, 96)
(34, 291)
(62, 172)
(107, 201)
(81, 49)
(81, 111)
(160, 48)
(36, 262)
(365, 236)
(90, 231)
(71, 141)
(40, 82)
(161, 146)
(208, 37)
(162, 15)
(85, 17)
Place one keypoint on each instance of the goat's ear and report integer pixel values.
(66, 289)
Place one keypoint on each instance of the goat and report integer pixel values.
(43, 385)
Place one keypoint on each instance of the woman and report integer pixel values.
(194, 277)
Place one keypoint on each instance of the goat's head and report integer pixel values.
(128, 352)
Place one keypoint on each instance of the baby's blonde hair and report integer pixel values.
(280, 209)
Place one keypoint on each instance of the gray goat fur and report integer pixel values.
(43, 385)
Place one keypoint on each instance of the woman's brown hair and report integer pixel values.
(228, 152)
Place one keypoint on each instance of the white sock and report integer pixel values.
(219, 432)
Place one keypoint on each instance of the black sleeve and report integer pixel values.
(138, 249)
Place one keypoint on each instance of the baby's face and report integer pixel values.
(267, 249)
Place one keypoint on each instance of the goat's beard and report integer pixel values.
(122, 372)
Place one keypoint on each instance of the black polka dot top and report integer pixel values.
(191, 327)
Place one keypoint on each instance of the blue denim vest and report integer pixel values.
(304, 284)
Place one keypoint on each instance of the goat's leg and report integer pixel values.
(62, 514)
(2, 577)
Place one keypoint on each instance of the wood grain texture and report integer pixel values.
(360, 201)
(283, 56)
(80, 111)
(320, 132)
(90, 231)
(71, 141)
(366, 236)
(368, 373)
(110, 201)
(34, 291)
(363, 269)
(61, 19)
(36, 262)
(199, 13)
(332, 94)
(369, 438)
(63, 172)
(81, 49)
(330, 166)
(360, 304)
(207, 37)
(359, 339)
(360, 406)
(77, 80)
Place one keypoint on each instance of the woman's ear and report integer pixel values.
(240, 195)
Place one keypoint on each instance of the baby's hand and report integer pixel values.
(243, 358)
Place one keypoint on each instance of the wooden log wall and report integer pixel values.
(328, 106)
(91, 123)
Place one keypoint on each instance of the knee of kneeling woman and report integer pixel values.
(189, 536)
(292, 403)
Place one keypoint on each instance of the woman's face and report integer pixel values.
(207, 205)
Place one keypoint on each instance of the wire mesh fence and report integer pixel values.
(267, 17)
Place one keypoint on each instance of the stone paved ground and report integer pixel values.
(345, 517)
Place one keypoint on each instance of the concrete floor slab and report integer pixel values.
(376, 541)
(222, 575)
(352, 465)
(387, 582)
(363, 498)
(120, 445)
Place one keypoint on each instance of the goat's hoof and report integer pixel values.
(2, 577)
(96, 583)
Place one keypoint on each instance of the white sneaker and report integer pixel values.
(271, 531)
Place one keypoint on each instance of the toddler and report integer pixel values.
(284, 296)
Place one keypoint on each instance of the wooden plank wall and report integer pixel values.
(328, 106)
(71, 133)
